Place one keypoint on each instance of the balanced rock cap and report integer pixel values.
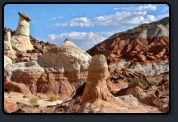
(24, 16)
(66, 39)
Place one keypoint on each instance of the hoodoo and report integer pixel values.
(21, 40)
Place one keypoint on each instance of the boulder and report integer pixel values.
(9, 105)
(141, 57)
(38, 46)
(50, 43)
(7, 60)
(26, 55)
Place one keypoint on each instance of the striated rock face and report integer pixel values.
(60, 71)
(22, 77)
(66, 68)
(146, 51)
(20, 40)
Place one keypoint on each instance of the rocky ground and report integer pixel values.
(153, 98)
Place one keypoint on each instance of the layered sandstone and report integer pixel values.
(20, 40)
(146, 51)
(60, 71)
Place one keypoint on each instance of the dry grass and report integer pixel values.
(136, 81)
(53, 98)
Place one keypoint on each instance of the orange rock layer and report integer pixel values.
(142, 50)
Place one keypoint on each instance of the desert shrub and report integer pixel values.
(137, 80)
(33, 101)
(53, 98)
(12, 90)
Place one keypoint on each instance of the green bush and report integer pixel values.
(135, 81)
(53, 98)
(33, 101)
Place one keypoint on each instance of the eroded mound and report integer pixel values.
(58, 73)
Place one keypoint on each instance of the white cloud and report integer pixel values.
(44, 10)
(140, 8)
(165, 9)
(84, 40)
(121, 18)
(55, 18)
(32, 21)
(81, 22)
(150, 18)
(130, 27)
(162, 16)
(146, 8)
(81, 37)
(135, 17)
(77, 37)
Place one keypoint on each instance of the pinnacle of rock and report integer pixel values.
(66, 40)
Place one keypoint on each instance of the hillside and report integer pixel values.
(143, 45)
(132, 32)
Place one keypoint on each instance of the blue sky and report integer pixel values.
(84, 24)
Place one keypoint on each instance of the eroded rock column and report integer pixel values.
(96, 86)
(21, 40)
(8, 51)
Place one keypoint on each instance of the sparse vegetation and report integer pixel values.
(66, 100)
(33, 101)
(12, 90)
(137, 80)
(53, 98)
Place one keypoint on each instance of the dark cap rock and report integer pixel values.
(24, 16)
(66, 39)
